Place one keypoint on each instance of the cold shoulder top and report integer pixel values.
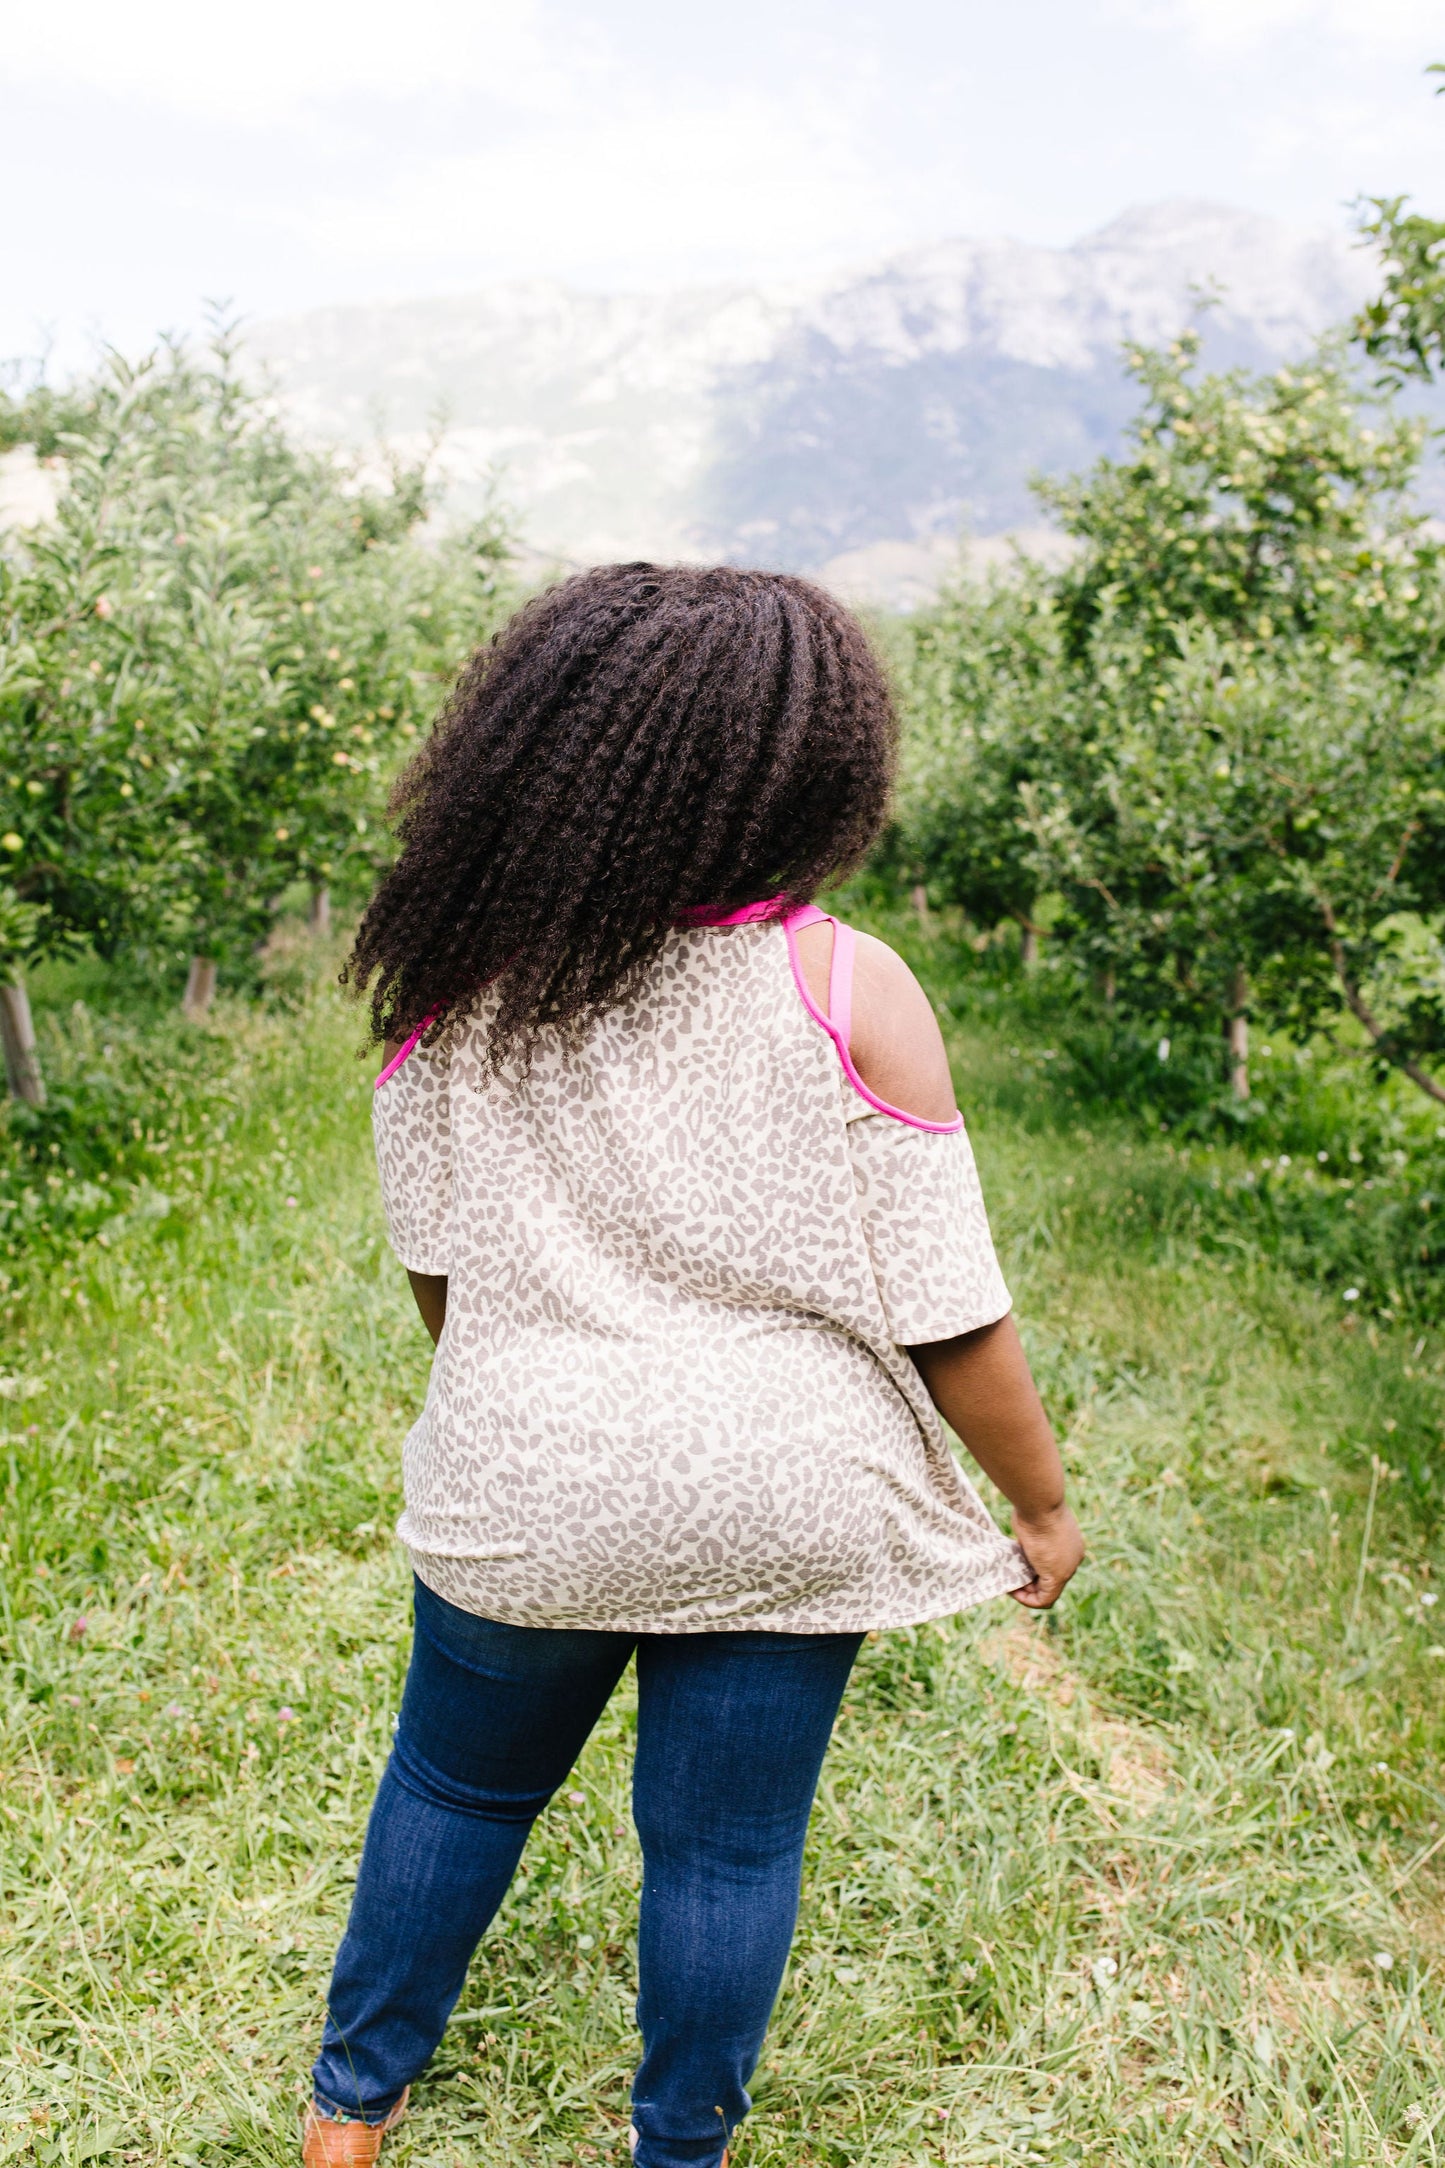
(685, 1258)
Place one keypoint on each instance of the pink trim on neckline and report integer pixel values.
(809, 915)
(408, 1046)
(707, 914)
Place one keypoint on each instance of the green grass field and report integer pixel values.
(1156, 1880)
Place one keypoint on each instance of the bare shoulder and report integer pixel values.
(896, 1045)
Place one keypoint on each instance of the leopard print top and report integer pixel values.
(684, 1260)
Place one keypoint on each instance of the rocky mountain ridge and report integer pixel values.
(883, 411)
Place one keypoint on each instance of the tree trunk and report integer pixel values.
(318, 918)
(1108, 986)
(920, 905)
(1029, 945)
(1238, 1028)
(200, 986)
(22, 1057)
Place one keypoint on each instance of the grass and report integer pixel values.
(1157, 1880)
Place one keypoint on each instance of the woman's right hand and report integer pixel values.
(980, 1383)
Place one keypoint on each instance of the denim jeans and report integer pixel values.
(731, 1733)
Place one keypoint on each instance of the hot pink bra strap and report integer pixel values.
(840, 970)
(840, 981)
(840, 1010)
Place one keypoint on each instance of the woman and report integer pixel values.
(672, 1160)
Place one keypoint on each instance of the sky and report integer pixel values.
(300, 152)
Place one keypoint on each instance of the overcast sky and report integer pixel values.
(294, 152)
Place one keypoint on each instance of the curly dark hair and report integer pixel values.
(638, 741)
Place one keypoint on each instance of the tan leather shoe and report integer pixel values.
(326, 2143)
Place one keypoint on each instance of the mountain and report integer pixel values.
(855, 425)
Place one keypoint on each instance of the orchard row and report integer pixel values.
(211, 662)
(1204, 762)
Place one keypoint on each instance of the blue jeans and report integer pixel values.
(731, 1733)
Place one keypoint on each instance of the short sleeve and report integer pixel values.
(411, 1120)
(926, 1228)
